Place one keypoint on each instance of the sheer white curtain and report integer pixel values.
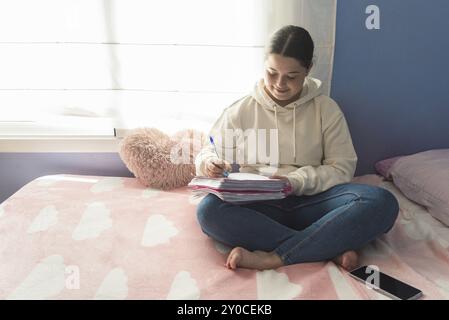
(171, 64)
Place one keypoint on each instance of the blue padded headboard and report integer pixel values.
(392, 83)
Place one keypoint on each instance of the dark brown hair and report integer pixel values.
(294, 42)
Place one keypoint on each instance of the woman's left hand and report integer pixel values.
(289, 188)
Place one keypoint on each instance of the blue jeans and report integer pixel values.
(303, 228)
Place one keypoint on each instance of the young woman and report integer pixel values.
(325, 217)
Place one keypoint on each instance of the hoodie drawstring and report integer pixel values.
(294, 133)
(277, 129)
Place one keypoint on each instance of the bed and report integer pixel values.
(91, 237)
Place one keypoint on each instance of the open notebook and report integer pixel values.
(240, 187)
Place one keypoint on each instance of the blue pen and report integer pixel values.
(225, 173)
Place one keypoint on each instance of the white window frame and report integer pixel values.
(36, 136)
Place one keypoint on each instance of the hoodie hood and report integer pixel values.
(310, 90)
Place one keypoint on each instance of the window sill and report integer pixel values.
(62, 136)
(58, 144)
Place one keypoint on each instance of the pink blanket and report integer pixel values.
(86, 237)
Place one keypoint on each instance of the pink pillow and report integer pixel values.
(424, 178)
(383, 167)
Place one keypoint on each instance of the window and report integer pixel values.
(95, 65)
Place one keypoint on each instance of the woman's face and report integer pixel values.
(284, 77)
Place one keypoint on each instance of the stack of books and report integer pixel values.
(240, 188)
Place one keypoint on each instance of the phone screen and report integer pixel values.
(387, 284)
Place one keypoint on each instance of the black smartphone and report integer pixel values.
(385, 284)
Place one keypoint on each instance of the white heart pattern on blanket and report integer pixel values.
(47, 181)
(46, 218)
(273, 285)
(184, 287)
(195, 200)
(443, 242)
(416, 230)
(107, 184)
(46, 280)
(443, 287)
(150, 193)
(114, 286)
(342, 287)
(158, 230)
(425, 227)
(94, 221)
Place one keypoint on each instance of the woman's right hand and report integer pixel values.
(216, 167)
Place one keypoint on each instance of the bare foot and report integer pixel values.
(347, 260)
(260, 260)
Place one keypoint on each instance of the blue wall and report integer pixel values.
(17, 169)
(393, 83)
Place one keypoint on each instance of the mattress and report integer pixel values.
(91, 237)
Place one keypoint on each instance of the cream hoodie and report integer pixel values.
(313, 145)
